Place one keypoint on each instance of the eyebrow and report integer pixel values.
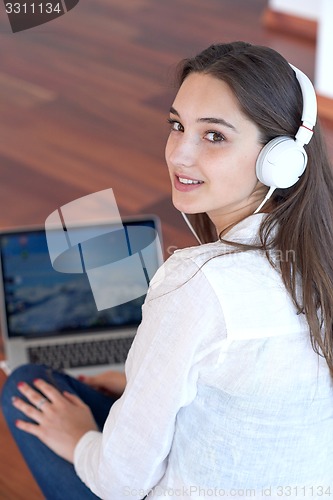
(217, 121)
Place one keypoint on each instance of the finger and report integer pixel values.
(91, 381)
(27, 409)
(53, 394)
(73, 399)
(87, 380)
(33, 396)
(28, 427)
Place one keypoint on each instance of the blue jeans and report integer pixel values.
(55, 476)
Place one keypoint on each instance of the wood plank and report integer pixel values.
(325, 107)
(292, 25)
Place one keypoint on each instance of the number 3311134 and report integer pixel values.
(33, 8)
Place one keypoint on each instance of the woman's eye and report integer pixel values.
(214, 136)
(176, 126)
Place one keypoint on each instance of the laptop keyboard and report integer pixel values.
(101, 352)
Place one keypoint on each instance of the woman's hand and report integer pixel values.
(110, 382)
(61, 419)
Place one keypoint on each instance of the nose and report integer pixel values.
(180, 152)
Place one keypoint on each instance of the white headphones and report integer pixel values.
(282, 160)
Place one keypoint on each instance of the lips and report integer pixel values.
(185, 183)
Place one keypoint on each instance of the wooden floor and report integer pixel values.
(83, 107)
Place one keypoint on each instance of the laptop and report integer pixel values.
(51, 317)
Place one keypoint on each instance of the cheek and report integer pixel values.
(235, 173)
(247, 162)
(168, 149)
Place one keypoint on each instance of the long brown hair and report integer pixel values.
(300, 218)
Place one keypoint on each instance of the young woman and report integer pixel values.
(229, 380)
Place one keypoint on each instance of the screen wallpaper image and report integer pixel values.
(43, 301)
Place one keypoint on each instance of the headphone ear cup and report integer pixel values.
(281, 162)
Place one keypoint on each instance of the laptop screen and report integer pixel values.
(39, 301)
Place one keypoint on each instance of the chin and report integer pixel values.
(184, 207)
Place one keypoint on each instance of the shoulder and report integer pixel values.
(184, 266)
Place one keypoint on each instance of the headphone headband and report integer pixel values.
(309, 113)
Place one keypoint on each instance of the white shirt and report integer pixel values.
(225, 396)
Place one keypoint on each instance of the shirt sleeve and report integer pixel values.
(178, 336)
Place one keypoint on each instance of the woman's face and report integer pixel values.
(211, 153)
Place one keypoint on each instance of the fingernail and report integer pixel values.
(14, 398)
(20, 384)
(17, 423)
(36, 381)
(81, 378)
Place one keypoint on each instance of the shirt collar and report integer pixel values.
(247, 230)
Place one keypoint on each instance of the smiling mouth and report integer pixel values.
(182, 180)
